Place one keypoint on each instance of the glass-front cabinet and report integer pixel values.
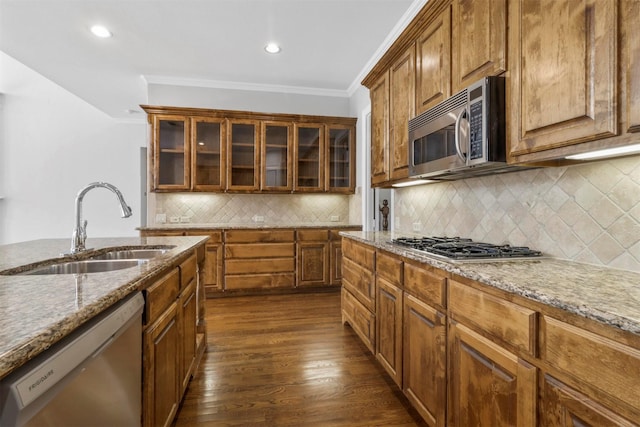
(276, 156)
(309, 153)
(171, 157)
(243, 163)
(209, 149)
(341, 159)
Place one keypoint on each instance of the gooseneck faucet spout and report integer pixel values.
(80, 231)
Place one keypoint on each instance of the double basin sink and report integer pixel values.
(117, 259)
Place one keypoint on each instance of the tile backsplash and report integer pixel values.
(588, 213)
(207, 208)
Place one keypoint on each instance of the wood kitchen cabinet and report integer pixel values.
(402, 78)
(358, 290)
(208, 145)
(630, 15)
(389, 305)
(309, 149)
(259, 259)
(277, 155)
(312, 247)
(341, 158)
(478, 41)
(194, 149)
(565, 93)
(379, 94)
(187, 321)
(433, 62)
(171, 155)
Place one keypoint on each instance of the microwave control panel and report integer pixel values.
(475, 131)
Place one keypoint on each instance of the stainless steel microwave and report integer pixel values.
(462, 136)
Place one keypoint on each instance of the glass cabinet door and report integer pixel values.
(309, 147)
(276, 156)
(208, 147)
(243, 167)
(341, 177)
(171, 153)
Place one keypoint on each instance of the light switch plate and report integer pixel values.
(185, 219)
(174, 219)
(417, 226)
(335, 218)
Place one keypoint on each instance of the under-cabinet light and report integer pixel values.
(608, 152)
(101, 31)
(411, 183)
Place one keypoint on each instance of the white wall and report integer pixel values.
(52, 145)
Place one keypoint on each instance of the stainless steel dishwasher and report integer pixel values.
(91, 378)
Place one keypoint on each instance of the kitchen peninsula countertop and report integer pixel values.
(241, 226)
(603, 294)
(37, 311)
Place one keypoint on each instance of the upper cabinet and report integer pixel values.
(171, 154)
(433, 62)
(402, 77)
(564, 73)
(379, 93)
(479, 41)
(218, 150)
(631, 63)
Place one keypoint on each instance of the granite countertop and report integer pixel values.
(607, 295)
(37, 311)
(240, 226)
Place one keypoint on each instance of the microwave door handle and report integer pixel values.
(456, 132)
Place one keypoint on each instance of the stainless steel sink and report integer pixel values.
(85, 266)
(131, 254)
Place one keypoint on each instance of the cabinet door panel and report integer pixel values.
(433, 58)
(313, 263)
(479, 41)
(276, 156)
(209, 147)
(243, 153)
(171, 153)
(342, 159)
(309, 154)
(389, 328)
(424, 367)
(564, 407)
(379, 93)
(489, 385)
(187, 320)
(402, 108)
(631, 17)
(564, 92)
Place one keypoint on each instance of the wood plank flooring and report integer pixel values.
(287, 360)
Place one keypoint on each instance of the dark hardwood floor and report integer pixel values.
(287, 360)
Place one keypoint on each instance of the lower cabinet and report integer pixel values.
(425, 360)
(389, 328)
(489, 386)
(312, 250)
(170, 343)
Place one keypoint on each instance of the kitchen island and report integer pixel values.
(519, 342)
(36, 311)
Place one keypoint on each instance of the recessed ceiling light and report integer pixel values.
(272, 48)
(101, 31)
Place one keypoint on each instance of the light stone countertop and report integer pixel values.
(603, 294)
(38, 311)
(243, 226)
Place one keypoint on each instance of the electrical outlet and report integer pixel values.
(335, 218)
(185, 219)
(258, 218)
(174, 219)
(417, 226)
(161, 218)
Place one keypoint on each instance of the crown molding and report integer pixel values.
(257, 87)
(395, 32)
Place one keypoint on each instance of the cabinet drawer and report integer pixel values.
(214, 236)
(253, 266)
(360, 318)
(251, 236)
(187, 271)
(601, 362)
(161, 294)
(360, 254)
(429, 287)
(389, 267)
(359, 282)
(508, 322)
(259, 250)
(313, 235)
(259, 281)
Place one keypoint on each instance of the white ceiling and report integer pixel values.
(327, 45)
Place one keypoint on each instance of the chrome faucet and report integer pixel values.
(80, 232)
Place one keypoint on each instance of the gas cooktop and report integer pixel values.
(461, 249)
